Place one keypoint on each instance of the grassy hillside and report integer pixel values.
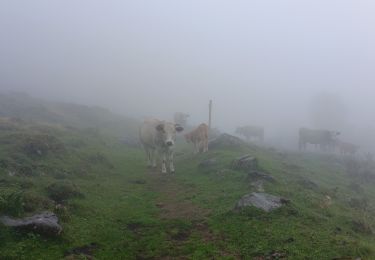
(112, 207)
(30, 109)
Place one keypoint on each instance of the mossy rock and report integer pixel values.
(61, 191)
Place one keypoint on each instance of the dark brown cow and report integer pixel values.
(325, 139)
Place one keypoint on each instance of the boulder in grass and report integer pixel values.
(264, 201)
(226, 141)
(245, 163)
(45, 224)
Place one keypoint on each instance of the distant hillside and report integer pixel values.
(25, 107)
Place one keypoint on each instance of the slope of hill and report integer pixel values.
(111, 207)
(27, 108)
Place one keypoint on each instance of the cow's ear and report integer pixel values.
(160, 127)
(179, 128)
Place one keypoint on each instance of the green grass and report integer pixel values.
(132, 213)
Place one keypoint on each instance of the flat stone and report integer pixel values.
(245, 163)
(45, 223)
(262, 201)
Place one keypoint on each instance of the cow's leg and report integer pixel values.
(148, 155)
(206, 145)
(153, 158)
(171, 164)
(201, 147)
(163, 162)
(196, 147)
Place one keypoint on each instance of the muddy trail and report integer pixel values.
(175, 204)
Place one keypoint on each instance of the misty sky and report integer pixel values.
(260, 61)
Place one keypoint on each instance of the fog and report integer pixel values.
(261, 62)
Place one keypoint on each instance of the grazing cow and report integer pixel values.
(347, 148)
(159, 137)
(251, 131)
(322, 138)
(199, 137)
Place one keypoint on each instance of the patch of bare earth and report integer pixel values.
(174, 203)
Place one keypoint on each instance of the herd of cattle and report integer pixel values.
(158, 139)
(324, 140)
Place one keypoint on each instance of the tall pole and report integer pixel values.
(209, 114)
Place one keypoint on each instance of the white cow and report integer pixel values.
(159, 137)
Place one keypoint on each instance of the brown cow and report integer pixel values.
(199, 137)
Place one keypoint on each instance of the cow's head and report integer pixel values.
(334, 138)
(167, 132)
(335, 135)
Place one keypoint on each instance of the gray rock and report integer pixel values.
(254, 175)
(245, 163)
(45, 224)
(226, 141)
(208, 163)
(262, 201)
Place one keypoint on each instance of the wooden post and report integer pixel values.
(209, 114)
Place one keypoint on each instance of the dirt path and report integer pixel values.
(174, 199)
(175, 203)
